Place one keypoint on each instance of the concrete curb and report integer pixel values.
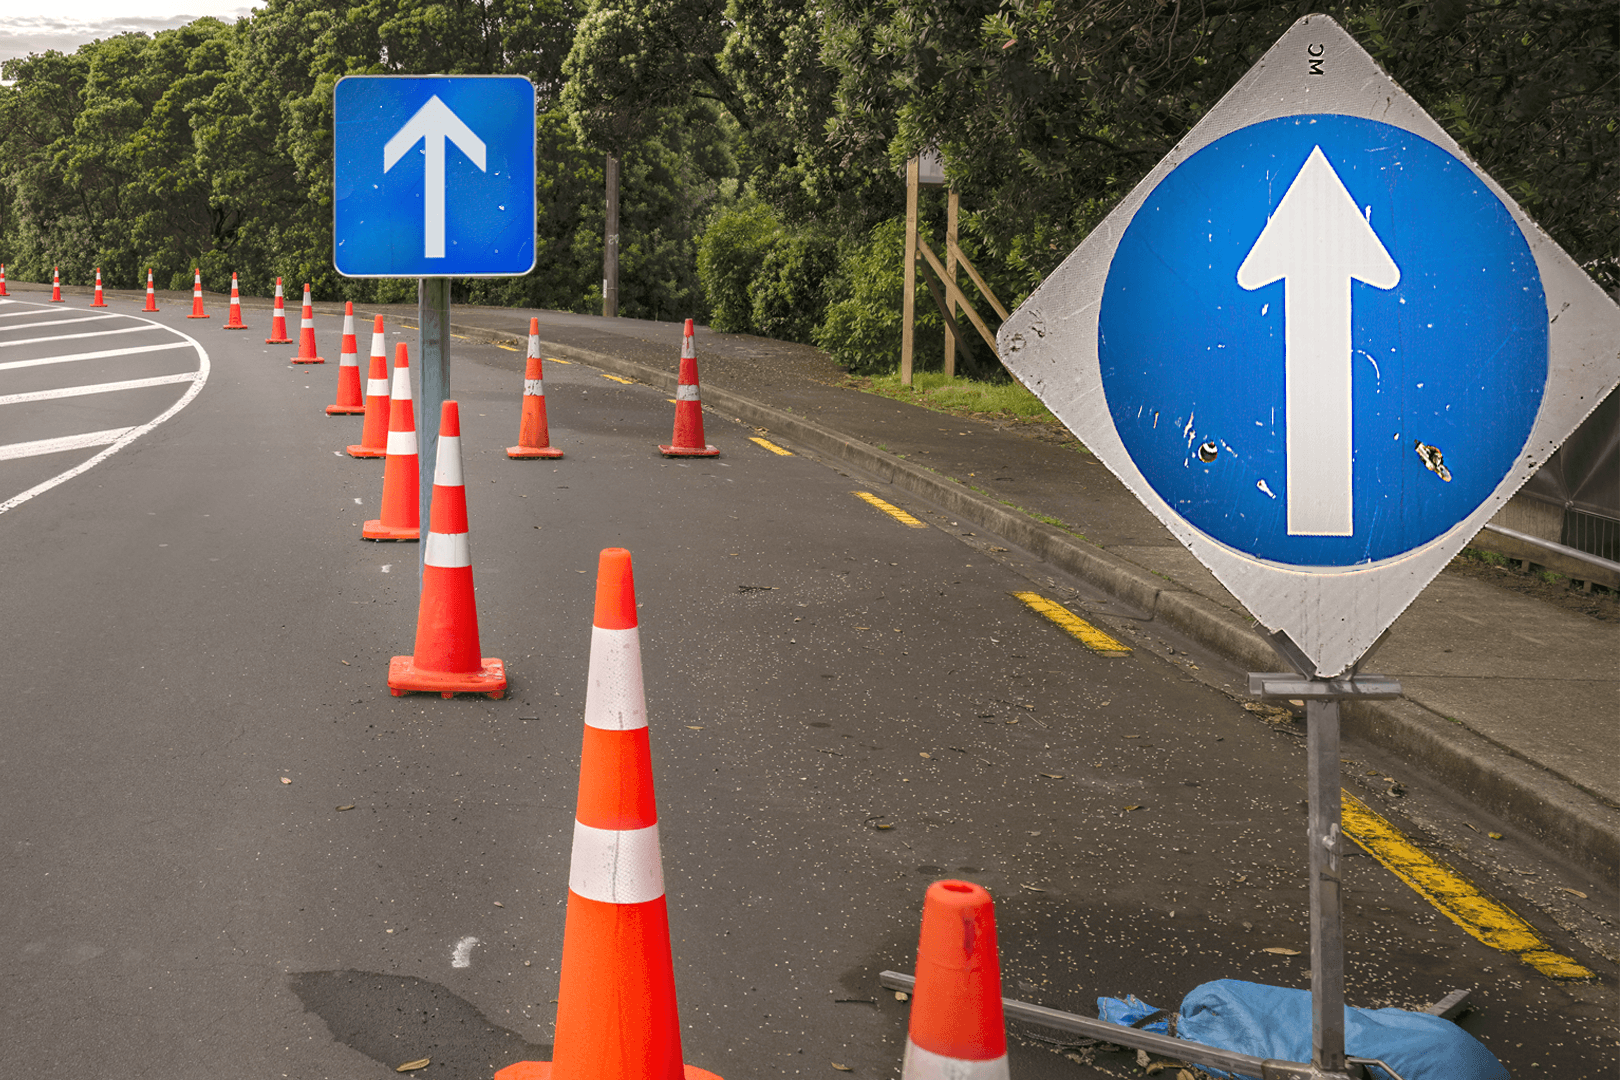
(1559, 814)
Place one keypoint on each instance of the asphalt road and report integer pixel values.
(843, 709)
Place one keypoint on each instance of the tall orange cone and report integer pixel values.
(306, 334)
(100, 299)
(447, 659)
(278, 320)
(235, 321)
(688, 438)
(534, 435)
(197, 311)
(957, 1028)
(401, 517)
(151, 295)
(348, 390)
(616, 1012)
(56, 285)
(3, 280)
(374, 436)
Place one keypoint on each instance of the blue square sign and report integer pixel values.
(433, 176)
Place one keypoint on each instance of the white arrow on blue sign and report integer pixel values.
(433, 176)
(1319, 343)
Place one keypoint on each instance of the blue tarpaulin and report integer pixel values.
(1274, 1022)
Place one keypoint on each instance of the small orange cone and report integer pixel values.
(401, 517)
(374, 436)
(197, 311)
(957, 1026)
(100, 300)
(56, 285)
(616, 1011)
(3, 280)
(688, 438)
(235, 321)
(534, 435)
(446, 659)
(151, 296)
(278, 321)
(306, 334)
(348, 391)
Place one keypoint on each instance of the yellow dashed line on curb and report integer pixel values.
(893, 511)
(1072, 624)
(554, 360)
(772, 447)
(616, 378)
(508, 348)
(1479, 915)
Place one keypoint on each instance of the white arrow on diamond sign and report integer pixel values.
(1319, 343)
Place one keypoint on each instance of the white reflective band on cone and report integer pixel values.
(402, 383)
(615, 697)
(401, 442)
(447, 550)
(376, 387)
(308, 323)
(534, 387)
(349, 359)
(688, 352)
(920, 1064)
(447, 466)
(617, 866)
(534, 344)
(379, 347)
(686, 392)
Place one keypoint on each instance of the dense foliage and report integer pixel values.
(762, 140)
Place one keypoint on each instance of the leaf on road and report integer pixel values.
(1573, 892)
(286, 779)
(926, 755)
(412, 1066)
(694, 727)
(901, 995)
(882, 825)
(1494, 835)
(1051, 775)
(348, 807)
(1031, 888)
(1138, 806)
(499, 904)
(1279, 951)
(345, 663)
(1142, 1058)
(842, 1068)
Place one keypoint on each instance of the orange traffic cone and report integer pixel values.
(235, 321)
(56, 285)
(151, 295)
(278, 321)
(446, 659)
(3, 280)
(400, 518)
(306, 334)
(534, 436)
(616, 1012)
(688, 438)
(100, 300)
(348, 391)
(196, 297)
(957, 1027)
(374, 436)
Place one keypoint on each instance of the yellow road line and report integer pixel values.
(1457, 898)
(772, 447)
(1076, 627)
(893, 511)
(508, 348)
(554, 360)
(616, 378)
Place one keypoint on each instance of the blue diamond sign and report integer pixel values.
(433, 176)
(1319, 343)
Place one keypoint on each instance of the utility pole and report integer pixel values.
(610, 242)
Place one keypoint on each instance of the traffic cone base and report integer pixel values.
(405, 677)
(359, 451)
(376, 530)
(541, 1070)
(689, 451)
(346, 410)
(521, 452)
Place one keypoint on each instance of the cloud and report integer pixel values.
(21, 35)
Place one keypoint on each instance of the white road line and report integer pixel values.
(96, 388)
(59, 322)
(71, 337)
(101, 355)
(16, 450)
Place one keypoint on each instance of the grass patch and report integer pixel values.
(1006, 402)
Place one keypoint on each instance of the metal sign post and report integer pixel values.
(433, 364)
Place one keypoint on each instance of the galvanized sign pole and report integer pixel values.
(433, 363)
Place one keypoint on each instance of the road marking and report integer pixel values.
(616, 378)
(96, 388)
(1072, 624)
(772, 447)
(554, 360)
(59, 322)
(1483, 918)
(100, 354)
(893, 511)
(71, 337)
(12, 451)
(508, 348)
(461, 955)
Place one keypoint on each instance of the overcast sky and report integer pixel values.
(33, 27)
